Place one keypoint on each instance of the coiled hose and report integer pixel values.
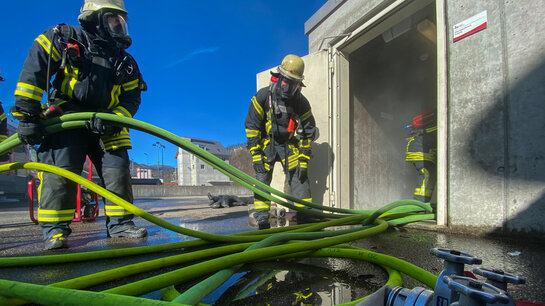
(272, 243)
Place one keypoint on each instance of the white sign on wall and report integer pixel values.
(470, 26)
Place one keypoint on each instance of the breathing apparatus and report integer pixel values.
(289, 76)
(109, 19)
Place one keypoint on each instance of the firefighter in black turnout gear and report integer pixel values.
(422, 153)
(3, 128)
(92, 73)
(280, 127)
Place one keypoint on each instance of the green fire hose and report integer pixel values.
(251, 246)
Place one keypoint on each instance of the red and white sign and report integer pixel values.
(470, 26)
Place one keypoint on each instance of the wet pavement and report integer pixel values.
(331, 281)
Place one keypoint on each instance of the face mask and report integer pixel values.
(287, 87)
(114, 25)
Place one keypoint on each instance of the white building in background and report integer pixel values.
(192, 171)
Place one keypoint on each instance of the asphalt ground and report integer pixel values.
(332, 280)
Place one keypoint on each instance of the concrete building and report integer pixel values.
(374, 64)
(192, 171)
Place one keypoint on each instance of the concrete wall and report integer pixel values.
(390, 83)
(146, 191)
(495, 170)
(496, 102)
(341, 18)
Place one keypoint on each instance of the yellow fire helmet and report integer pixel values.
(292, 67)
(95, 5)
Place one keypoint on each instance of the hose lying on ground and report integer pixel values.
(399, 212)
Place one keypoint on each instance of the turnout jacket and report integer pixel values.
(267, 125)
(422, 145)
(97, 78)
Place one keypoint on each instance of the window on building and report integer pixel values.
(202, 166)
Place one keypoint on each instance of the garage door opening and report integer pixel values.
(393, 78)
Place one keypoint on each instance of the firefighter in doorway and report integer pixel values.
(280, 127)
(93, 73)
(422, 152)
(3, 128)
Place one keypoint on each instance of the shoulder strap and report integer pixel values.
(65, 31)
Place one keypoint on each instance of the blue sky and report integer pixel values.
(199, 58)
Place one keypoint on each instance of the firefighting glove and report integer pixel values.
(259, 166)
(101, 127)
(302, 172)
(31, 131)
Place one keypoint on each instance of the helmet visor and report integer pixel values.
(289, 87)
(116, 24)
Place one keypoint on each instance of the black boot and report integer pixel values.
(129, 231)
(57, 241)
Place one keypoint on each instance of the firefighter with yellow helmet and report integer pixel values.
(280, 127)
(91, 72)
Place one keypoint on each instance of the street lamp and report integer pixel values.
(161, 148)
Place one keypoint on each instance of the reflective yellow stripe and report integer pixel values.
(431, 129)
(115, 210)
(47, 219)
(130, 85)
(40, 176)
(304, 156)
(252, 133)
(305, 200)
(55, 212)
(2, 117)
(293, 164)
(114, 96)
(121, 140)
(305, 143)
(257, 107)
(69, 81)
(306, 115)
(268, 126)
(29, 91)
(420, 156)
(3, 137)
(118, 213)
(118, 141)
(422, 191)
(262, 204)
(256, 147)
(46, 44)
(121, 111)
(47, 215)
(113, 207)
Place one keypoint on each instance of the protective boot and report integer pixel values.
(128, 231)
(57, 241)
(262, 218)
(119, 221)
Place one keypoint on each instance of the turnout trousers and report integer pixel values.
(425, 181)
(298, 188)
(57, 196)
